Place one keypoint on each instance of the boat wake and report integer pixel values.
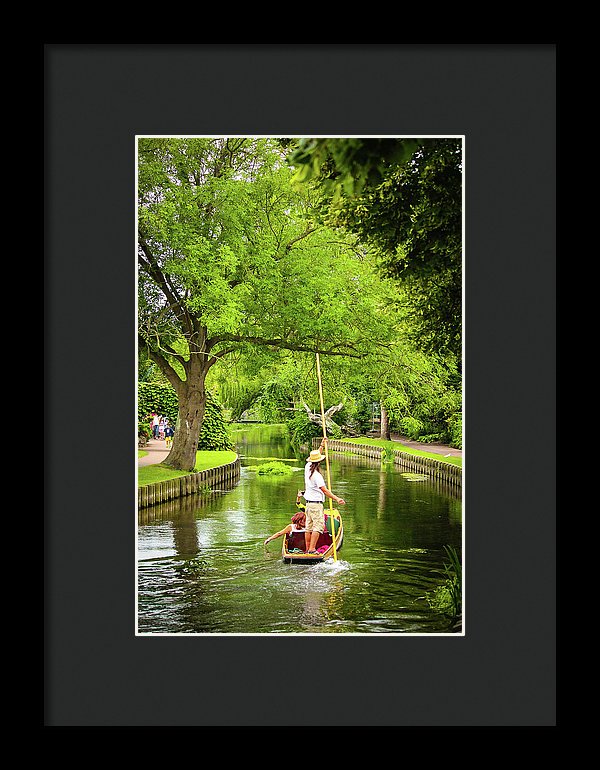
(332, 567)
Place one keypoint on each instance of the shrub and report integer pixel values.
(162, 398)
(455, 431)
(158, 397)
(214, 434)
(144, 429)
(302, 430)
(411, 427)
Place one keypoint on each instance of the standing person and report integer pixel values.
(155, 422)
(315, 492)
(168, 434)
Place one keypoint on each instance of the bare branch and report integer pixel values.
(317, 419)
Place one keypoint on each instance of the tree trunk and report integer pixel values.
(385, 424)
(192, 402)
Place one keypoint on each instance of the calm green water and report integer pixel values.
(203, 568)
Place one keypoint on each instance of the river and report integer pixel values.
(202, 567)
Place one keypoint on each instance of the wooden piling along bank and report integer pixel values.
(161, 491)
(435, 469)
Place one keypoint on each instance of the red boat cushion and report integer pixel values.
(297, 540)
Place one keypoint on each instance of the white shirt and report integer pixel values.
(312, 491)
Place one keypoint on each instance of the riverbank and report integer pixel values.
(439, 452)
(447, 471)
(203, 568)
(150, 470)
(184, 484)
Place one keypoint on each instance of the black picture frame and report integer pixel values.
(97, 98)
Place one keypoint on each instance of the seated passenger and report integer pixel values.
(297, 525)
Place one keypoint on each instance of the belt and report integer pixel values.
(315, 501)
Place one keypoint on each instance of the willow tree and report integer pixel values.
(229, 259)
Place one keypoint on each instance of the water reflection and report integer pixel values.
(202, 566)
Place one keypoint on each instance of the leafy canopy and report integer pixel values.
(230, 253)
(403, 197)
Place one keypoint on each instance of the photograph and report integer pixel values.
(313, 279)
(299, 415)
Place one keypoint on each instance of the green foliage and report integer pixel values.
(214, 434)
(302, 430)
(231, 260)
(415, 218)
(271, 402)
(455, 431)
(144, 429)
(158, 397)
(357, 415)
(421, 396)
(411, 427)
(198, 566)
(222, 222)
(392, 446)
(441, 599)
(236, 394)
(146, 368)
(447, 598)
(235, 259)
(163, 399)
(344, 166)
(274, 468)
(404, 198)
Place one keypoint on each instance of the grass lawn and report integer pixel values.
(150, 474)
(403, 448)
(141, 453)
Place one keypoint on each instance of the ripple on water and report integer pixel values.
(203, 568)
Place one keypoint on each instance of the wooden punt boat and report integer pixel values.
(293, 546)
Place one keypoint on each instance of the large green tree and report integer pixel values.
(230, 259)
(403, 196)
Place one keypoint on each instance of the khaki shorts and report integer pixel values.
(314, 517)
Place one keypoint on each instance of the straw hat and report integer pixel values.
(315, 456)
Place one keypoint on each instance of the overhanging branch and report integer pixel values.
(341, 349)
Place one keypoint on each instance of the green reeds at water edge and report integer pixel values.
(447, 598)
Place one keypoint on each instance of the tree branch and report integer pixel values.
(300, 237)
(213, 359)
(151, 267)
(349, 351)
(317, 419)
(165, 368)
